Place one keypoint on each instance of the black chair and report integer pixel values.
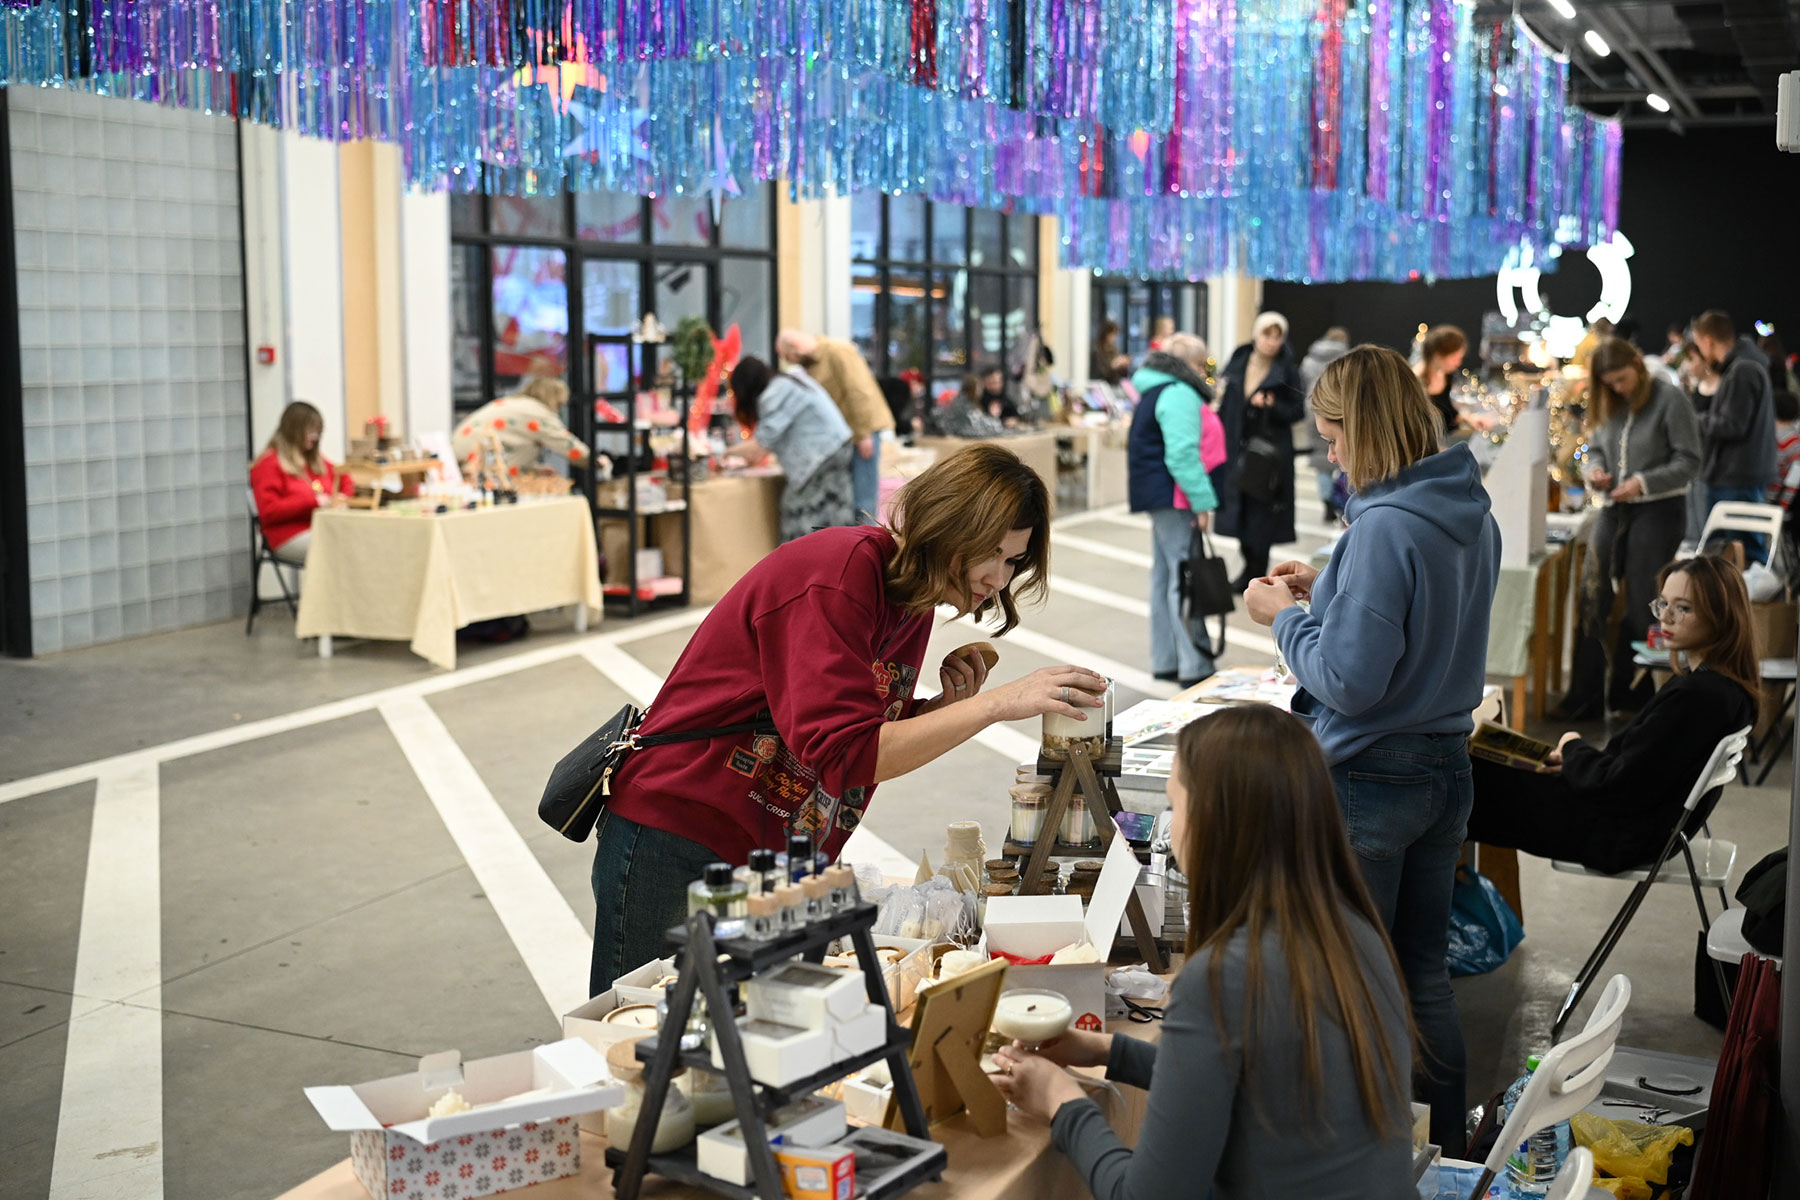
(260, 553)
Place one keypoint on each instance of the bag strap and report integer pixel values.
(763, 724)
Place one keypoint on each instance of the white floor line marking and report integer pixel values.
(1064, 586)
(631, 675)
(1088, 546)
(1130, 520)
(1087, 515)
(1132, 677)
(866, 846)
(109, 1131)
(1245, 640)
(349, 706)
(1004, 739)
(543, 927)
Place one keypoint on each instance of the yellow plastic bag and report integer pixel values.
(1630, 1149)
(1631, 1188)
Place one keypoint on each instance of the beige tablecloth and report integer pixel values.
(1108, 466)
(418, 578)
(1038, 450)
(736, 521)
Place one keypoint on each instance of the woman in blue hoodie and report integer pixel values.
(1391, 660)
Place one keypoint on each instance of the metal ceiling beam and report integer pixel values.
(1651, 70)
(1716, 91)
(1650, 120)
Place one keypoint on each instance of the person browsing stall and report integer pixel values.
(1391, 660)
(791, 417)
(826, 639)
(1611, 808)
(838, 367)
(291, 480)
(1260, 402)
(526, 426)
(1283, 1066)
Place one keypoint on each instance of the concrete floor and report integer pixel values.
(312, 919)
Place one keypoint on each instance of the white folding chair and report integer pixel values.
(1576, 1179)
(1566, 1081)
(1741, 516)
(1725, 942)
(1781, 730)
(1708, 861)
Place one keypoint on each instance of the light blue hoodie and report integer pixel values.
(1396, 641)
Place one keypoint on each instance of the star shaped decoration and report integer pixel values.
(723, 182)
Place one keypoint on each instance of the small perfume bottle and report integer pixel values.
(818, 898)
(841, 881)
(764, 874)
(764, 923)
(791, 903)
(800, 857)
(719, 892)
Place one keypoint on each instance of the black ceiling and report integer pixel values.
(1716, 63)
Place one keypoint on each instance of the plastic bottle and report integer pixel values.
(1534, 1163)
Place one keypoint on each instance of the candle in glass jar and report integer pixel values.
(1029, 805)
(1032, 1017)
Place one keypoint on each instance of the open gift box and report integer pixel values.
(1028, 928)
(522, 1130)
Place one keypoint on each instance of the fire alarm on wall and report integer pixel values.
(265, 355)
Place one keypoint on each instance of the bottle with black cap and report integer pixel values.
(719, 892)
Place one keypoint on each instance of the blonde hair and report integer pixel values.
(551, 393)
(1187, 347)
(953, 517)
(1388, 422)
(288, 444)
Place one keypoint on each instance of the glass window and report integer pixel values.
(467, 313)
(611, 368)
(949, 234)
(865, 299)
(531, 314)
(906, 228)
(1022, 240)
(987, 315)
(609, 296)
(1021, 315)
(527, 216)
(681, 221)
(609, 217)
(1137, 318)
(949, 336)
(906, 344)
(681, 289)
(744, 298)
(987, 243)
(465, 213)
(865, 225)
(744, 221)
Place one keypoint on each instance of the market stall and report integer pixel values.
(1038, 450)
(417, 575)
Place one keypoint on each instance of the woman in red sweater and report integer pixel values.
(291, 480)
(825, 639)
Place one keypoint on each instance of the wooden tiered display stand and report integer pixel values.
(888, 1163)
(1082, 779)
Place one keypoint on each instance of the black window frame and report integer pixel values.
(933, 270)
(1163, 301)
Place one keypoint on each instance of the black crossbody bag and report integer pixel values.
(581, 782)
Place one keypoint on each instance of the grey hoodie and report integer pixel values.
(1738, 427)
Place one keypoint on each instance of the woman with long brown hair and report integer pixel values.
(1441, 356)
(1643, 452)
(1611, 809)
(822, 644)
(1285, 1058)
(291, 480)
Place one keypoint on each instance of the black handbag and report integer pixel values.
(581, 782)
(1259, 464)
(1204, 586)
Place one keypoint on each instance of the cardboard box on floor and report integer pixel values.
(1777, 626)
(396, 1148)
(1022, 921)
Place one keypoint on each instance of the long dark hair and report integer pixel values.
(1721, 600)
(1265, 850)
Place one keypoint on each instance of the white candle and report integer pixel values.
(1032, 1017)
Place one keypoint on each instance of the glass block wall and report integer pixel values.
(131, 328)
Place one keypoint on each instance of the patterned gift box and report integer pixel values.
(395, 1167)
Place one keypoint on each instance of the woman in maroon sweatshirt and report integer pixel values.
(826, 636)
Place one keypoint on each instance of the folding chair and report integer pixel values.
(1566, 1081)
(1781, 730)
(1740, 516)
(1708, 860)
(260, 553)
(1576, 1179)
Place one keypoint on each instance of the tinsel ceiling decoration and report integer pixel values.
(1294, 139)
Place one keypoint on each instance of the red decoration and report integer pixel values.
(512, 470)
(532, 425)
(725, 356)
(500, 423)
(575, 454)
(466, 432)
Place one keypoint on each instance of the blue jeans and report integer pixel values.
(1406, 802)
(865, 483)
(1754, 550)
(641, 876)
(1171, 649)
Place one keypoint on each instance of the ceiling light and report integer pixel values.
(1657, 102)
(1563, 9)
(1596, 43)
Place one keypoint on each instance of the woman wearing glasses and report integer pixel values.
(1611, 809)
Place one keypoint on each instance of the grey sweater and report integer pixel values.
(1246, 1130)
(1739, 424)
(1660, 443)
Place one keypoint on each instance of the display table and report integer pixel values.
(1108, 464)
(1038, 450)
(1018, 1165)
(736, 521)
(419, 577)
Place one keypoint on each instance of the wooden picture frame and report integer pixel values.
(950, 1024)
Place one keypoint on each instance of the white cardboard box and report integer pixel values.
(1032, 926)
(396, 1148)
(866, 1098)
(633, 987)
(778, 1055)
(1084, 984)
(864, 1032)
(806, 995)
(720, 1152)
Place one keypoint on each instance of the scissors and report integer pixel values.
(1142, 1014)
